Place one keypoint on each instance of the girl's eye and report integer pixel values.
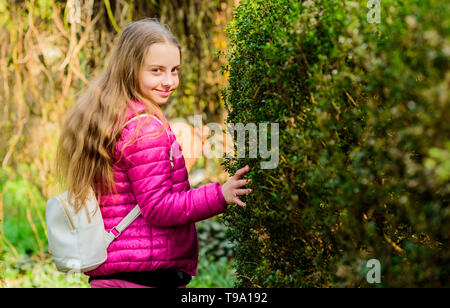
(157, 70)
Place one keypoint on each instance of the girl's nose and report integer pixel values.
(168, 81)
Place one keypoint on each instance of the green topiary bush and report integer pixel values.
(364, 142)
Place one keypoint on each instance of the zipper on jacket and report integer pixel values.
(171, 153)
(170, 143)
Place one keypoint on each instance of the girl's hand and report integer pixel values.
(230, 189)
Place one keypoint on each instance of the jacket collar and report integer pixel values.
(138, 108)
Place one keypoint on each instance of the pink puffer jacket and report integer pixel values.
(164, 237)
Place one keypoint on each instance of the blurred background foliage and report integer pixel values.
(48, 52)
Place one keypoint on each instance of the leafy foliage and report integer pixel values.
(363, 110)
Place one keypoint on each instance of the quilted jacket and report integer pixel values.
(164, 236)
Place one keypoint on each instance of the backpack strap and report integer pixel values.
(137, 117)
(136, 211)
(126, 221)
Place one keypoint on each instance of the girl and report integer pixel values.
(117, 141)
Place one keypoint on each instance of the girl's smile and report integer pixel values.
(164, 93)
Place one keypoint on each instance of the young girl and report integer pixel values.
(117, 141)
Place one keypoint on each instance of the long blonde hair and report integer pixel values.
(86, 147)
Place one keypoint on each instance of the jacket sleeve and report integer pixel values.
(150, 173)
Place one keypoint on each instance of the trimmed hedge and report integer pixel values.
(364, 145)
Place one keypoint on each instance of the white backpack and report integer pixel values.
(78, 241)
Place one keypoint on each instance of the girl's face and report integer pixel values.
(158, 77)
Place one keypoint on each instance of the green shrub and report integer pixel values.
(363, 169)
(212, 240)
